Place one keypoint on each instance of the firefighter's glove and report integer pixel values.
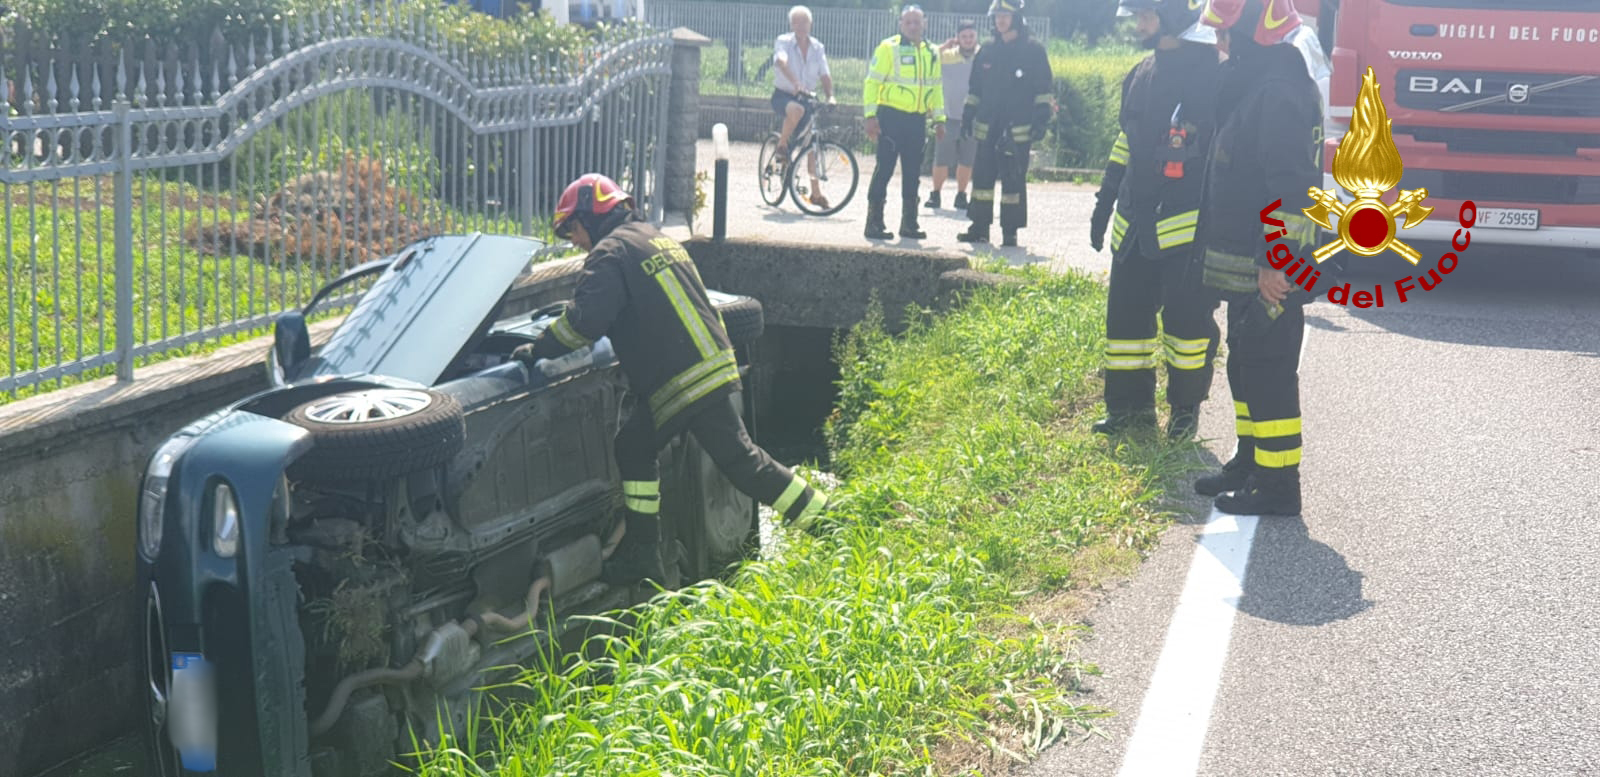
(1036, 133)
(524, 354)
(1097, 223)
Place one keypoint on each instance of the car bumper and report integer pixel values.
(1561, 226)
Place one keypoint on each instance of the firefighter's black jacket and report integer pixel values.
(1010, 89)
(1268, 148)
(640, 288)
(1156, 213)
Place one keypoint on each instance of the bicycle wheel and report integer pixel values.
(837, 178)
(772, 171)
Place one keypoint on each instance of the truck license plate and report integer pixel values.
(1508, 218)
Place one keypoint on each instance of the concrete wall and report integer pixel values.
(70, 463)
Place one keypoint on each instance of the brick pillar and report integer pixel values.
(683, 119)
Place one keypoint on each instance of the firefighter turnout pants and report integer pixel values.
(901, 137)
(1141, 288)
(1000, 159)
(1263, 371)
(721, 433)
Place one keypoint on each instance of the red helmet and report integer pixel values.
(592, 193)
(1277, 18)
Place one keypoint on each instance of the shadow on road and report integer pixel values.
(1497, 297)
(1297, 580)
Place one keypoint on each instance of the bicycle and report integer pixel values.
(834, 161)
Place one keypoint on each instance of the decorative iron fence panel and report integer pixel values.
(151, 201)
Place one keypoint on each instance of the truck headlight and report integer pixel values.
(224, 521)
(153, 496)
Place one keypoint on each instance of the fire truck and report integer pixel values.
(1496, 101)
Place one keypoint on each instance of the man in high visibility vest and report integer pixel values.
(641, 289)
(903, 89)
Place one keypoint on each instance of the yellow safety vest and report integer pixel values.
(905, 77)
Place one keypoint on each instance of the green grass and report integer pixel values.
(58, 260)
(912, 640)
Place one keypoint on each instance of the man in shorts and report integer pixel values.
(800, 66)
(954, 152)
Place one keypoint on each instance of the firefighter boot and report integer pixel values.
(1009, 238)
(1233, 474)
(1267, 493)
(974, 234)
(875, 228)
(908, 220)
(1185, 421)
(643, 554)
(1126, 423)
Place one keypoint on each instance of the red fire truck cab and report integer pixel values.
(1489, 100)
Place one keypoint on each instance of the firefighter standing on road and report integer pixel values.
(641, 289)
(1268, 148)
(1154, 179)
(903, 88)
(1007, 110)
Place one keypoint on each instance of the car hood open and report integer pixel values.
(421, 312)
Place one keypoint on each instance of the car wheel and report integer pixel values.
(743, 318)
(379, 433)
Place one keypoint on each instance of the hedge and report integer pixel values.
(1088, 85)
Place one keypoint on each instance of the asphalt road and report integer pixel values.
(1437, 608)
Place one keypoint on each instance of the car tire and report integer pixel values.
(376, 434)
(743, 319)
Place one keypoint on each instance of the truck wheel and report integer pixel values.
(376, 434)
(743, 318)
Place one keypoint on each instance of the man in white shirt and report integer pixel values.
(801, 66)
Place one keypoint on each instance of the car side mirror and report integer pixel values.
(291, 345)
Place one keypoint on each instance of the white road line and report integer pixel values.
(1171, 730)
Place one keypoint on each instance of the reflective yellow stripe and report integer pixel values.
(1185, 219)
(688, 378)
(1146, 363)
(1119, 152)
(813, 511)
(1241, 408)
(1173, 239)
(1277, 459)
(1283, 427)
(1301, 228)
(644, 505)
(1041, 98)
(787, 499)
(1186, 362)
(983, 195)
(686, 313)
(569, 337)
(641, 487)
(727, 372)
(972, 99)
(1186, 346)
(1119, 227)
(1241, 421)
(1229, 272)
(1132, 346)
(1020, 134)
(1010, 199)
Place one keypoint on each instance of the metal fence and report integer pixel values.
(156, 200)
(740, 61)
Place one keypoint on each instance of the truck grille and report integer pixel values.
(1506, 187)
(1480, 141)
(1568, 95)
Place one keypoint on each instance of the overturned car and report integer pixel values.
(330, 568)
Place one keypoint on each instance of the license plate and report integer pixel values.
(192, 712)
(1508, 218)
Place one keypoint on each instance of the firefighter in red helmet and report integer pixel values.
(1268, 149)
(1153, 177)
(641, 289)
